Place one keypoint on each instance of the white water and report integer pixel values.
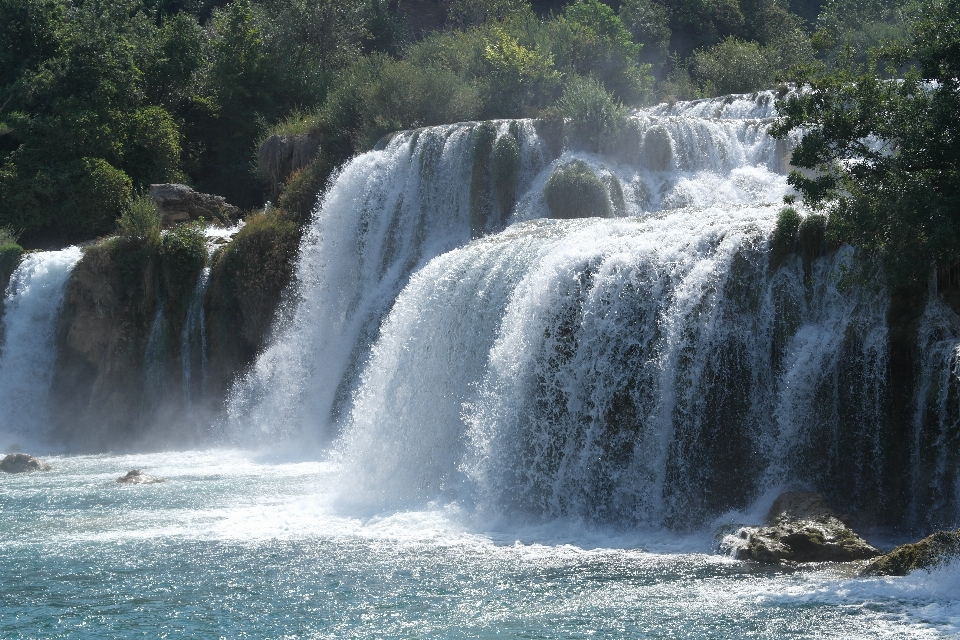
(649, 370)
(28, 353)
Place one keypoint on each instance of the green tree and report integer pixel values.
(884, 153)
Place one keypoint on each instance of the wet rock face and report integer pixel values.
(941, 548)
(801, 527)
(179, 203)
(22, 463)
(135, 476)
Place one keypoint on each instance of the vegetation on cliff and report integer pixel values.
(884, 154)
(99, 99)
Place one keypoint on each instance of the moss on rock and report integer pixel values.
(930, 553)
(574, 191)
(247, 280)
(505, 164)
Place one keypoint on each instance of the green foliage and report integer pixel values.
(247, 278)
(140, 221)
(732, 66)
(505, 164)
(596, 118)
(649, 23)
(183, 254)
(811, 236)
(519, 79)
(738, 66)
(901, 197)
(783, 240)
(472, 13)
(10, 254)
(574, 191)
(301, 192)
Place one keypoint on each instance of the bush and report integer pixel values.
(247, 279)
(657, 147)
(10, 254)
(574, 191)
(151, 148)
(596, 119)
(783, 241)
(506, 166)
(811, 237)
(183, 254)
(140, 221)
(732, 66)
(300, 194)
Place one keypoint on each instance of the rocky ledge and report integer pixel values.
(800, 527)
(932, 552)
(136, 476)
(179, 203)
(22, 463)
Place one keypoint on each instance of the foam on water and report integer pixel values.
(234, 544)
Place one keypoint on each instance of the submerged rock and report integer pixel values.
(22, 463)
(801, 527)
(930, 553)
(135, 476)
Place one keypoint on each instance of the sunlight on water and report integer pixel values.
(238, 545)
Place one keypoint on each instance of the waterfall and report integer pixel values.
(27, 355)
(386, 214)
(654, 369)
(193, 342)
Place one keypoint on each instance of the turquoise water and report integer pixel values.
(235, 545)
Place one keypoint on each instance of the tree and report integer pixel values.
(885, 154)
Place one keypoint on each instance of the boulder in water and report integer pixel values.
(932, 552)
(135, 476)
(22, 463)
(801, 527)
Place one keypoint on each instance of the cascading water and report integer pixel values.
(28, 352)
(656, 369)
(385, 215)
(193, 343)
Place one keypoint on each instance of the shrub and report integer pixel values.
(732, 66)
(783, 241)
(151, 148)
(596, 119)
(10, 254)
(98, 196)
(140, 221)
(657, 148)
(247, 279)
(574, 191)
(183, 254)
(300, 194)
(506, 166)
(811, 237)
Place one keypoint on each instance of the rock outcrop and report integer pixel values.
(22, 463)
(932, 552)
(280, 156)
(801, 527)
(179, 203)
(135, 476)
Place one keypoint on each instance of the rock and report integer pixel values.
(22, 463)
(933, 551)
(179, 203)
(801, 527)
(280, 156)
(135, 476)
